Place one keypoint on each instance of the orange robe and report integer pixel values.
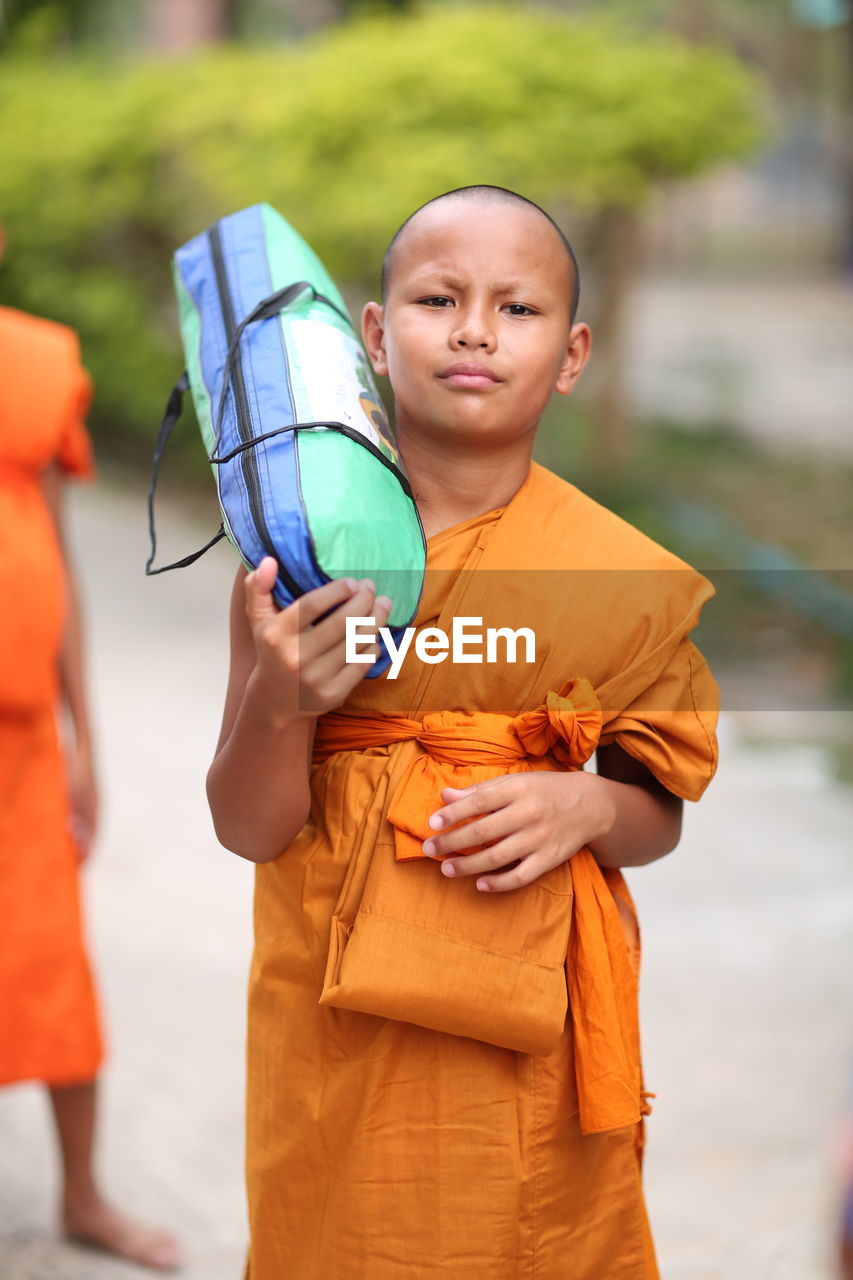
(419, 1102)
(49, 1025)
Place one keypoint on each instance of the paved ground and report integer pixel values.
(748, 984)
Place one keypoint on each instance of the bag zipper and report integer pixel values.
(241, 409)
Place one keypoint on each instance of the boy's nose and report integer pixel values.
(473, 333)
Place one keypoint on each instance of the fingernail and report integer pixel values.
(429, 848)
(448, 869)
(482, 886)
(384, 602)
(436, 821)
(351, 583)
(369, 583)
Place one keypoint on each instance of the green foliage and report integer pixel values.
(105, 169)
(36, 25)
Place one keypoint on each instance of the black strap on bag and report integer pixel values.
(174, 408)
(267, 307)
(270, 306)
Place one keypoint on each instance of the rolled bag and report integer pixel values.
(306, 469)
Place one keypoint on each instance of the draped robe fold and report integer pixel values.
(429, 1143)
(49, 1021)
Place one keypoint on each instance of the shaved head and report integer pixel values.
(489, 195)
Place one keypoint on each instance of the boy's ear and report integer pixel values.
(577, 354)
(373, 336)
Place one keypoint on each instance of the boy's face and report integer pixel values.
(475, 334)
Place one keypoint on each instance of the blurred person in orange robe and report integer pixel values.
(49, 1019)
(443, 1071)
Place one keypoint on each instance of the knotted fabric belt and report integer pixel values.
(458, 747)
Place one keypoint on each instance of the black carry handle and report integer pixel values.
(266, 308)
(174, 407)
(270, 306)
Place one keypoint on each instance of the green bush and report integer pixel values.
(106, 168)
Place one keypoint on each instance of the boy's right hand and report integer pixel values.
(301, 667)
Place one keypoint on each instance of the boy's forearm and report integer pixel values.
(258, 784)
(639, 824)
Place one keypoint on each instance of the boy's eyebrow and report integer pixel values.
(437, 277)
(454, 282)
(513, 286)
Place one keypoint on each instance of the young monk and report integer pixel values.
(49, 1018)
(444, 1070)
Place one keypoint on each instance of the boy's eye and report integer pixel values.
(519, 309)
(438, 301)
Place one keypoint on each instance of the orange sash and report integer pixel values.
(410, 944)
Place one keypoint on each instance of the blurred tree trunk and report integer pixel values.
(397, 6)
(176, 25)
(693, 20)
(303, 16)
(612, 251)
(846, 150)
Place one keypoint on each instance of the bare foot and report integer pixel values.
(95, 1222)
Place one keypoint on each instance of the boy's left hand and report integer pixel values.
(531, 822)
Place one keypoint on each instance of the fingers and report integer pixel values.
(522, 819)
(481, 829)
(509, 864)
(322, 600)
(482, 797)
(378, 610)
(514, 844)
(329, 634)
(261, 605)
(303, 665)
(330, 668)
(318, 618)
(258, 588)
(326, 672)
(522, 873)
(321, 613)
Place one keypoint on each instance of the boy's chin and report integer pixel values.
(480, 431)
(465, 419)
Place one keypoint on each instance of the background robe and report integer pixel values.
(49, 1025)
(381, 1149)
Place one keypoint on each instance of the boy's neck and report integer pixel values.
(452, 487)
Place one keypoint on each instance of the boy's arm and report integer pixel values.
(258, 743)
(644, 821)
(79, 754)
(285, 672)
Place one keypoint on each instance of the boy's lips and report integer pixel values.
(470, 375)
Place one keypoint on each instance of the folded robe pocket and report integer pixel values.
(410, 944)
(423, 949)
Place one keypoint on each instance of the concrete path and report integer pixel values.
(748, 983)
